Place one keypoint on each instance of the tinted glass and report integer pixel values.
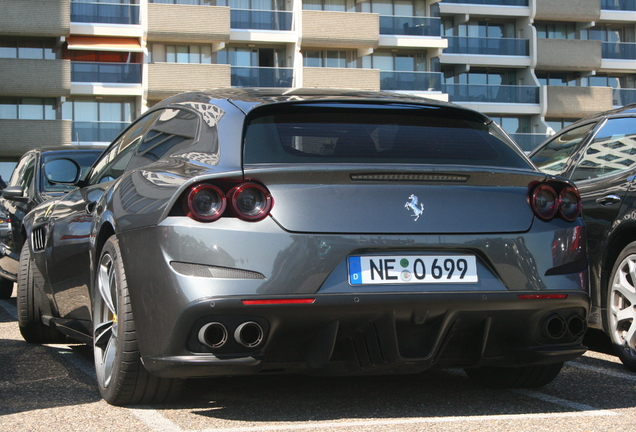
(612, 150)
(392, 133)
(553, 157)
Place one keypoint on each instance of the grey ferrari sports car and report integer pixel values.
(257, 231)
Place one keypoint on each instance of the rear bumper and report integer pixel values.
(376, 333)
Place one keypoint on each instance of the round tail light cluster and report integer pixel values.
(249, 201)
(560, 199)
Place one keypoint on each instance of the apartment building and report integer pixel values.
(77, 71)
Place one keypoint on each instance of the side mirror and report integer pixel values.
(14, 193)
(64, 171)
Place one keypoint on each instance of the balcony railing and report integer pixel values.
(621, 5)
(488, 46)
(105, 13)
(90, 132)
(492, 93)
(260, 19)
(490, 2)
(254, 76)
(528, 141)
(410, 26)
(619, 50)
(624, 96)
(422, 81)
(119, 73)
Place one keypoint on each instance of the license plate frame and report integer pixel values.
(412, 269)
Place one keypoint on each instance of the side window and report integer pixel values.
(612, 150)
(553, 157)
(115, 160)
(23, 173)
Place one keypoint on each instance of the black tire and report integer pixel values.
(6, 288)
(620, 319)
(516, 377)
(32, 328)
(121, 376)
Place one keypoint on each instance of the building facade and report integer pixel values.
(78, 71)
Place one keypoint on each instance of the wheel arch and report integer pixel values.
(620, 238)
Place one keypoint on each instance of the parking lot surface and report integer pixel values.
(53, 388)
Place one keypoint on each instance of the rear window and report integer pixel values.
(398, 133)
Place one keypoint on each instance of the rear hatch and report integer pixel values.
(387, 167)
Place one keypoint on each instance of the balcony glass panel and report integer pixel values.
(260, 20)
(528, 141)
(261, 77)
(488, 46)
(120, 73)
(89, 132)
(623, 5)
(619, 50)
(492, 93)
(624, 96)
(490, 2)
(423, 81)
(106, 13)
(410, 26)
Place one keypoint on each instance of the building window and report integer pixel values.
(395, 61)
(513, 125)
(571, 79)
(27, 108)
(96, 121)
(559, 123)
(189, 54)
(611, 34)
(252, 57)
(329, 58)
(41, 49)
(327, 5)
(481, 77)
(556, 30)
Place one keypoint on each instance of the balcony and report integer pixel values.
(118, 73)
(567, 10)
(167, 79)
(415, 81)
(328, 29)
(619, 5)
(492, 93)
(260, 19)
(347, 78)
(34, 77)
(619, 50)
(20, 136)
(35, 18)
(205, 24)
(104, 13)
(490, 2)
(576, 101)
(568, 55)
(96, 132)
(624, 97)
(254, 76)
(488, 46)
(528, 141)
(410, 26)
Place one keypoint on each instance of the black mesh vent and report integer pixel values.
(199, 270)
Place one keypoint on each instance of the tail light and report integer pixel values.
(250, 201)
(552, 198)
(569, 203)
(205, 202)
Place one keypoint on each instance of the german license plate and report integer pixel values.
(410, 269)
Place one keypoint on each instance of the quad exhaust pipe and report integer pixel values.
(557, 327)
(215, 335)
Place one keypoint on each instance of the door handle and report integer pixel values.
(608, 200)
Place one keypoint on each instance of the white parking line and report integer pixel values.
(615, 374)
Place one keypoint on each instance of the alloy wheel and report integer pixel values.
(105, 320)
(622, 307)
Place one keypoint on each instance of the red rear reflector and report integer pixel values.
(278, 301)
(542, 296)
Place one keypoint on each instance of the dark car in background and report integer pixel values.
(598, 153)
(255, 231)
(27, 188)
